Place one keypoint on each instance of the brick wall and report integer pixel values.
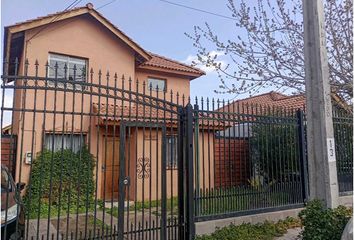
(231, 162)
(8, 152)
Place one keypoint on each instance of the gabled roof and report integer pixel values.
(148, 60)
(88, 9)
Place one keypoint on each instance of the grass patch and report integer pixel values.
(265, 231)
(171, 204)
(64, 210)
(241, 198)
(139, 206)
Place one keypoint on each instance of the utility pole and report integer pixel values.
(320, 138)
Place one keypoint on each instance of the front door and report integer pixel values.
(111, 169)
(143, 182)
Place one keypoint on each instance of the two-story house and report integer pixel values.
(82, 45)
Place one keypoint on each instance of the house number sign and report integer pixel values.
(331, 150)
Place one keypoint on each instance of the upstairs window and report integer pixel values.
(156, 84)
(70, 73)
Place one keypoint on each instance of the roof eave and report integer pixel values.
(190, 75)
(78, 12)
(46, 20)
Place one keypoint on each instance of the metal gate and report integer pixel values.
(140, 174)
(101, 156)
(108, 157)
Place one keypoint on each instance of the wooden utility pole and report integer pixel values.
(320, 138)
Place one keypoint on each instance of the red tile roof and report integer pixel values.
(271, 99)
(166, 63)
(135, 112)
(148, 112)
(154, 61)
(279, 100)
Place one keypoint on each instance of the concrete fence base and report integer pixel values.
(208, 227)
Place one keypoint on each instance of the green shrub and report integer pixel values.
(62, 180)
(274, 151)
(323, 224)
(246, 231)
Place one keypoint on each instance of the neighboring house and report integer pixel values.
(278, 100)
(6, 130)
(83, 37)
(8, 146)
(232, 144)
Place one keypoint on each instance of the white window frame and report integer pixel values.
(154, 87)
(68, 60)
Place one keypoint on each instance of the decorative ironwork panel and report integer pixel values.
(143, 167)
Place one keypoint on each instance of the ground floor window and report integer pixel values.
(57, 142)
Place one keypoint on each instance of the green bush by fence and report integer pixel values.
(320, 223)
(274, 149)
(61, 179)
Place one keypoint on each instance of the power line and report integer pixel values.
(102, 6)
(71, 6)
(198, 10)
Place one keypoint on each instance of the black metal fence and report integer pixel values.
(343, 134)
(97, 153)
(247, 159)
(104, 156)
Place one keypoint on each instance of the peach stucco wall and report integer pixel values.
(82, 37)
(148, 145)
(179, 85)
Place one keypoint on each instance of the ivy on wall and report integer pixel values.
(62, 180)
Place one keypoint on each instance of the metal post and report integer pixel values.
(190, 227)
(163, 188)
(180, 164)
(196, 158)
(122, 182)
(302, 155)
(320, 139)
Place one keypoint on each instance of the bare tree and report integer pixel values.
(267, 50)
